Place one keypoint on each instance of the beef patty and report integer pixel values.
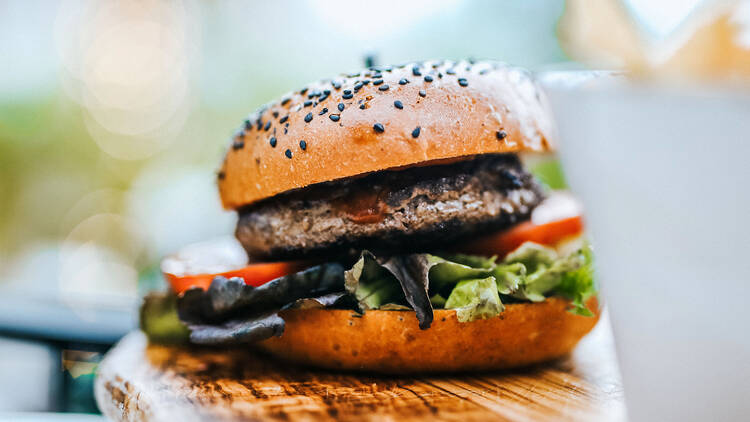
(426, 208)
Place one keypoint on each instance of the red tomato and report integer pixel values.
(506, 241)
(253, 274)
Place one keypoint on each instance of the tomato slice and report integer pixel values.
(253, 274)
(506, 241)
(196, 265)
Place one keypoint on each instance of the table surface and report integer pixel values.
(138, 381)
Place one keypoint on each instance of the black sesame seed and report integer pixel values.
(341, 106)
(288, 154)
(403, 81)
(275, 114)
(238, 144)
(377, 82)
(314, 94)
(501, 135)
(347, 91)
(398, 104)
(440, 75)
(422, 93)
(248, 125)
(358, 86)
(379, 128)
(322, 112)
(240, 134)
(285, 131)
(415, 71)
(283, 119)
(336, 85)
(483, 71)
(428, 78)
(285, 101)
(303, 145)
(326, 92)
(267, 126)
(307, 103)
(415, 132)
(450, 72)
(334, 117)
(221, 175)
(347, 96)
(323, 98)
(302, 91)
(384, 87)
(259, 124)
(308, 117)
(362, 107)
(463, 82)
(366, 82)
(272, 141)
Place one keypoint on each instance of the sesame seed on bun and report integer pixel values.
(384, 118)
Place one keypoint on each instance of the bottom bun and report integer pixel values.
(391, 341)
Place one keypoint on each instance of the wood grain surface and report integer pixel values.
(141, 382)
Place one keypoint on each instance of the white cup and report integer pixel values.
(664, 175)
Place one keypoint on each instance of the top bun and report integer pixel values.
(384, 118)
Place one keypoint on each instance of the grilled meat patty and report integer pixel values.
(424, 208)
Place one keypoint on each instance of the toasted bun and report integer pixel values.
(467, 109)
(391, 341)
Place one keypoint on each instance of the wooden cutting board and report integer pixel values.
(142, 382)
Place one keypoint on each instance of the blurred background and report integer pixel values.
(115, 115)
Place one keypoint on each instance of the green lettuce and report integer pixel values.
(475, 299)
(231, 312)
(544, 270)
(578, 286)
(474, 286)
(372, 285)
(392, 283)
(159, 320)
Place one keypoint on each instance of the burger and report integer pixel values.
(387, 223)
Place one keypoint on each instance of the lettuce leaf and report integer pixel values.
(371, 284)
(444, 274)
(545, 270)
(509, 277)
(421, 281)
(240, 330)
(475, 299)
(226, 298)
(424, 281)
(158, 319)
(231, 311)
(579, 285)
(395, 281)
(412, 271)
